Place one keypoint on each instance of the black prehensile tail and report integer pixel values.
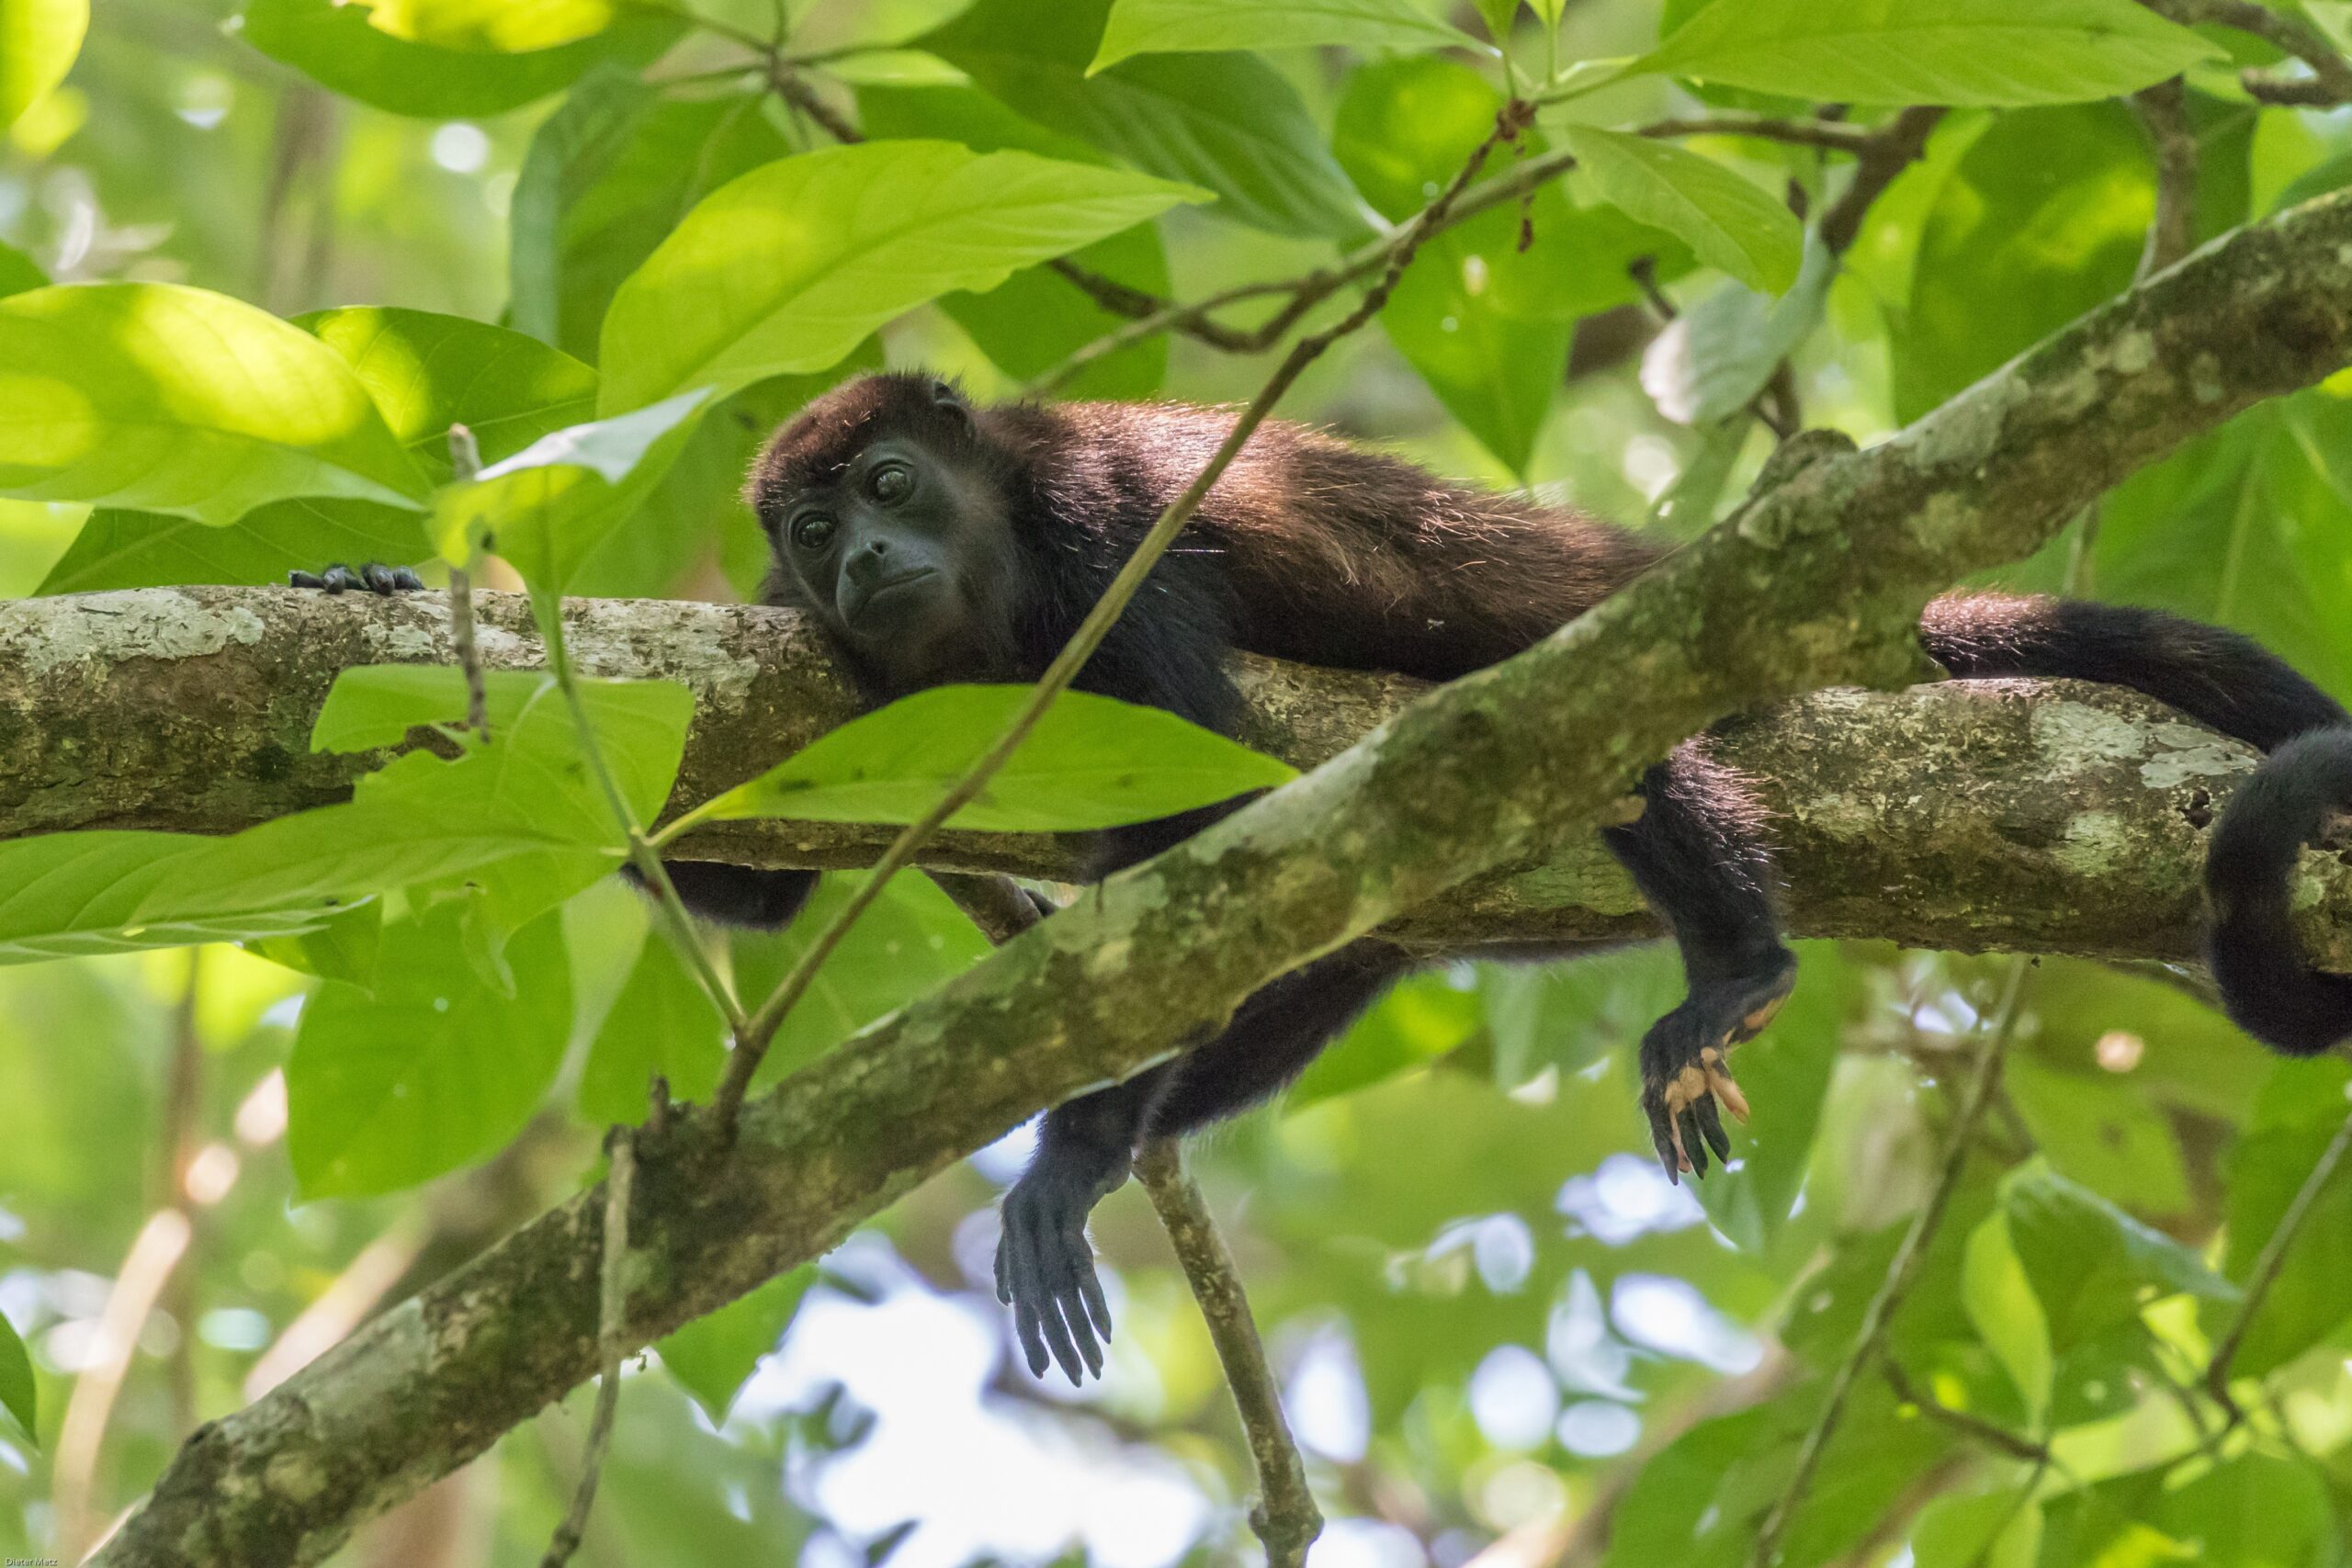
(2241, 689)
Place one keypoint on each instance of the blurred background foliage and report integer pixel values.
(1493, 1316)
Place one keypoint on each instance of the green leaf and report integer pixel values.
(1725, 219)
(18, 273)
(1990, 1530)
(39, 40)
(427, 372)
(336, 46)
(1714, 358)
(17, 1393)
(154, 396)
(1475, 315)
(2301, 1106)
(2017, 243)
(608, 176)
(1092, 762)
(662, 1022)
(1229, 123)
(2007, 1313)
(911, 940)
(2103, 1131)
(2094, 1267)
(420, 819)
(116, 548)
(1036, 318)
(789, 267)
(434, 1070)
(1191, 26)
(342, 948)
(713, 1356)
(2002, 53)
(547, 508)
(504, 27)
(1422, 1019)
(75, 895)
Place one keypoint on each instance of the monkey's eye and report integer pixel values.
(890, 482)
(813, 532)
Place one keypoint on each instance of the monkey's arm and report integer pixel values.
(737, 895)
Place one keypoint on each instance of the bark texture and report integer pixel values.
(1817, 583)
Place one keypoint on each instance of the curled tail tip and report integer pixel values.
(2266, 987)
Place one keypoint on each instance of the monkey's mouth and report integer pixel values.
(864, 609)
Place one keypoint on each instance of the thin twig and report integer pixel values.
(612, 1323)
(1830, 135)
(2266, 1268)
(464, 458)
(997, 904)
(1284, 1516)
(2164, 111)
(1900, 1274)
(752, 1047)
(1991, 1434)
(1892, 149)
(2331, 78)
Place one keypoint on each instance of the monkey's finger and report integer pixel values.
(1662, 1137)
(1686, 1132)
(1091, 1286)
(1711, 1129)
(1719, 1079)
(305, 580)
(1057, 1339)
(405, 578)
(1003, 1244)
(1073, 1291)
(1021, 1273)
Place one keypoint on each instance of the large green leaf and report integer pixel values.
(1996, 53)
(526, 791)
(2018, 243)
(713, 1356)
(2007, 1315)
(1090, 762)
(608, 176)
(1191, 26)
(75, 895)
(2301, 1106)
(427, 372)
(1229, 123)
(662, 1022)
(433, 1069)
(1726, 220)
(506, 26)
(154, 396)
(2092, 1266)
(789, 267)
(1422, 1019)
(911, 940)
(549, 506)
(336, 45)
(17, 272)
(1475, 314)
(39, 40)
(1036, 318)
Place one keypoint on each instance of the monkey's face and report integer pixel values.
(907, 561)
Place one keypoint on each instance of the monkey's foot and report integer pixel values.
(372, 577)
(1045, 1271)
(1684, 1076)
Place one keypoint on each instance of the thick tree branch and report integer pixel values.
(1818, 581)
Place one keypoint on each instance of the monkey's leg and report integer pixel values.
(1698, 858)
(1044, 1268)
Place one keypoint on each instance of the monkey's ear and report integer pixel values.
(949, 399)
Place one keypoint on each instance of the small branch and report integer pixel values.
(2266, 1268)
(2164, 111)
(1892, 149)
(465, 458)
(997, 904)
(1830, 135)
(612, 1344)
(1284, 1517)
(154, 1253)
(1900, 1274)
(751, 1048)
(2331, 78)
(1991, 1434)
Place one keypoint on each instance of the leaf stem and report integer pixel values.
(612, 1323)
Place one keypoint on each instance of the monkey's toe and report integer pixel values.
(372, 577)
(1045, 1271)
(1685, 1080)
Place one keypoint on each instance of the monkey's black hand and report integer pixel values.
(372, 577)
(1044, 1270)
(1683, 1070)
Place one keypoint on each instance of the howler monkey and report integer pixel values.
(935, 541)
